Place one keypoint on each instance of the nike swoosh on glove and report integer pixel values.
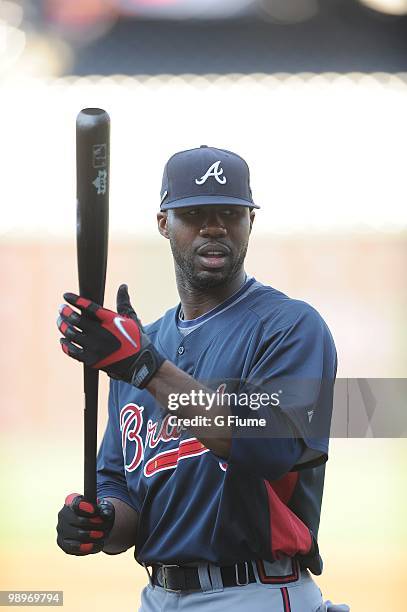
(114, 342)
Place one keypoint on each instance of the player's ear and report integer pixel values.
(162, 223)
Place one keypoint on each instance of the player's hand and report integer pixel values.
(82, 526)
(111, 341)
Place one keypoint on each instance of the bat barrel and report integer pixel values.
(93, 177)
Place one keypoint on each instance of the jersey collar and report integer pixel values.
(214, 311)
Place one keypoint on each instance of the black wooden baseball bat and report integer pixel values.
(92, 180)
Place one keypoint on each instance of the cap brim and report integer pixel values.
(207, 201)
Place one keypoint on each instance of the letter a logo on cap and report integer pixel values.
(214, 171)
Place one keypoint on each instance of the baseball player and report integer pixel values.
(212, 463)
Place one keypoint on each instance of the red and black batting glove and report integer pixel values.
(110, 341)
(82, 526)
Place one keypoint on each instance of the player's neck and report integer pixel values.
(197, 302)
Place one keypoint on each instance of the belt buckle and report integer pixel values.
(164, 578)
(246, 565)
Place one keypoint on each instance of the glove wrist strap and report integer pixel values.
(148, 362)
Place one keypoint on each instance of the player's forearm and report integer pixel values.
(124, 530)
(169, 380)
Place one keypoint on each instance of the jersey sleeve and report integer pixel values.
(111, 479)
(294, 369)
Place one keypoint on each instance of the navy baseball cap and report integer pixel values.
(205, 176)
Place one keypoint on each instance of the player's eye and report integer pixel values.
(193, 212)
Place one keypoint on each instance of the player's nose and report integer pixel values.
(212, 225)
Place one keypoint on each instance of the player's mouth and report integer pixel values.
(213, 255)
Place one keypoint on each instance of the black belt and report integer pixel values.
(178, 578)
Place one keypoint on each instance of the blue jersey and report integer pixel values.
(193, 506)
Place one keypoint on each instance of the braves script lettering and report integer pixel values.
(131, 422)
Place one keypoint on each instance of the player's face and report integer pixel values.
(208, 243)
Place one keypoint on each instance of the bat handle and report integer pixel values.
(91, 387)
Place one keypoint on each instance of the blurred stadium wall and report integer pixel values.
(315, 100)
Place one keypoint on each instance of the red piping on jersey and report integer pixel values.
(286, 599)
(289, 535)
